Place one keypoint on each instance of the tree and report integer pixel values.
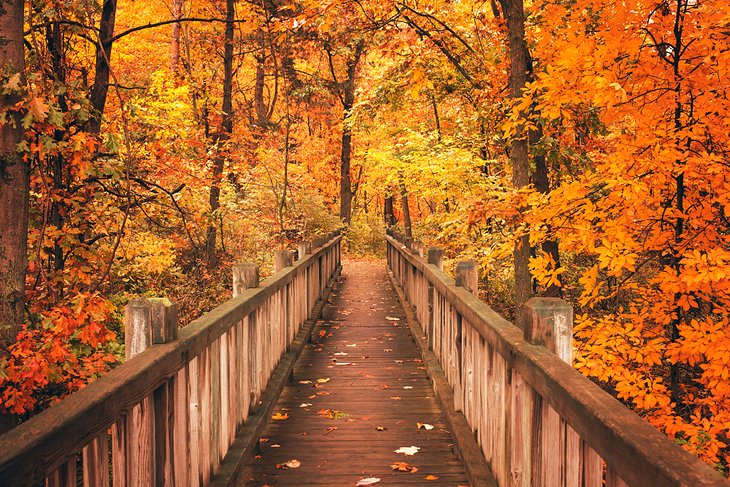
(14, 174)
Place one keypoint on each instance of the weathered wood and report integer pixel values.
(245, 276)
(282, 259)
(137, 327)
(356, 447)
(304, 248)
(163, 440)
(476, 467)
(78, 419)
(592, 472)
(638, 452)
(181, 428)
(95, 458)
(467, 275)
(163, 313)
(436, 257)
(248, 438)
(549, 322)
(140, 444)
(63, 476)
(119, 453)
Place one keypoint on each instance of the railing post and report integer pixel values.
(436, 257)
(282, 259)
(467, 276)
(304, 248)
(418, 248)
(548, 322)
(245, 276)
(148, 428)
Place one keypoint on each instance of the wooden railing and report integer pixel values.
(169, 415)
(537, 420)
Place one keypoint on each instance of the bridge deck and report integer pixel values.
(359, 391)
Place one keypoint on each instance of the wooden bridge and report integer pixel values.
(313, 377)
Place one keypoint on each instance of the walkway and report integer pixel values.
(360, 392)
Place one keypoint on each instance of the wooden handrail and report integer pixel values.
(46, 446)
(527, 377)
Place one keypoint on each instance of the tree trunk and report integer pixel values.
(388, 213)
(407, 226)
(223, 135)
(262, 112)
(103, 54)
(518, 76)
(177, 8)
(14, 184)
(348, 100)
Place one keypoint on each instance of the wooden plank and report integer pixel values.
(196, 421)
(95, 461)
(180, 442)
(224, 396)
(163, 427)
(140, 444)
(119, 453)
(205, 447)
(63, 476)
(592, 471)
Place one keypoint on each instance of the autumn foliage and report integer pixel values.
(627, 213)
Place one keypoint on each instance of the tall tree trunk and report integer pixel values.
(348, 100)
(388, 213)
(518, 76)
(14, 183)
(177, 8)
(407, 226)
(262, 112)
(57, 163)
(224, 135)
(103, 55)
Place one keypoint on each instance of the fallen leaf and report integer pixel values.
(407, 450)
(355, 345)
(304, 405)
(407, 387)
(263, 440)
(399, 361)
(289, 464)
(388, 350)
(279, 417)
(305, 381)
(392, 318)
(343, 363)
(395, 398)
(380, 428)
(275, 445)
(323, 381)
(332, 413)
(431, 477)
(341, 354)
(404, 467)
(367, 481)
(424, 426)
